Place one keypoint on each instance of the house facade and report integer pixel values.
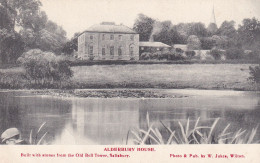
(107, 41)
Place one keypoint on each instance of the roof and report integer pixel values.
(110, 28)
(180, 46)
(154, 44)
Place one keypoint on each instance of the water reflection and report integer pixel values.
(107, 121)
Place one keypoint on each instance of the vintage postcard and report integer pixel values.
(129, 80)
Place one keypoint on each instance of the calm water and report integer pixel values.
(107, 121)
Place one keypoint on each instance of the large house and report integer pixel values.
(107, 41)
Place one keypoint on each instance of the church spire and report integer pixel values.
(213, 18)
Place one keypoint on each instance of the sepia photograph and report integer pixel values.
(129, 72)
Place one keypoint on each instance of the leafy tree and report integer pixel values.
(249, 34)
(187, 29)
(45, 67)
(168, 35)
(227, 29)
(212, 29)
(144, 26)
(11, 46)
(71, 45)
(207, 43)
(254, 74)
(35, 29)
(197, 29)
(234, 53)
(193, 43)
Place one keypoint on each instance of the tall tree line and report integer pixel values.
(246, 37)
(24, 26)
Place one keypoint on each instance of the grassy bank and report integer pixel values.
(198, 76)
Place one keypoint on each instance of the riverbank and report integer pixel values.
(159, 76)
(109, 93)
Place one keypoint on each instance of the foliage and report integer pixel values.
(24, 26)
(216, 54)
(227, 29)
(71, 46)
(234, 53)
(33, 140)
(45, 67)
(193, 43)
(190, 54)
(192, 135)
(145, 56)
(254, 74)
(212, 29)
(11, 46)
(144, 26)
(249, 33)
(207, 43)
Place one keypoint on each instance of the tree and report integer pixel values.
(187, 29)
(11, 46)
(71, 45)
(197, 29)
(193, 43)
(167, 34)
(212, 29)
(34, 29)
(45, 67)
(249, 34)
(227, 29)
(144, 26)
(207, 43)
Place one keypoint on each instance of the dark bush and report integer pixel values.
(190, 54)
(216, 54)
(254, 55)
(234, 53)
(45, 68)
(254, 74)
(145, 56)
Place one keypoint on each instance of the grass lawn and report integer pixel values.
(204, 76)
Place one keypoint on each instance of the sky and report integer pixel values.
(77, 15)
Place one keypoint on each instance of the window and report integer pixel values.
(120, 37)
(103, 51)
(90, 50)
(112, 50)
(111, 37)
(119, 50)
(91, 37)
(131, 50)
(103, 37)
(132, 37)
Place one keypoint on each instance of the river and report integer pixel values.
(106, 121)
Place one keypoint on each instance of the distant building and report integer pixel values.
(107, 41)
(152, 46)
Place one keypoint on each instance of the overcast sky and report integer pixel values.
(78, 15)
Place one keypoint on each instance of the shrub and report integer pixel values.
(190, 54)
(254, 55)
(45, 67)
(254, 74)
(216, 54)
(234, 53)
(145, 56)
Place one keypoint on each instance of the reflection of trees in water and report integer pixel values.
(29, 112)
(104, 121)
